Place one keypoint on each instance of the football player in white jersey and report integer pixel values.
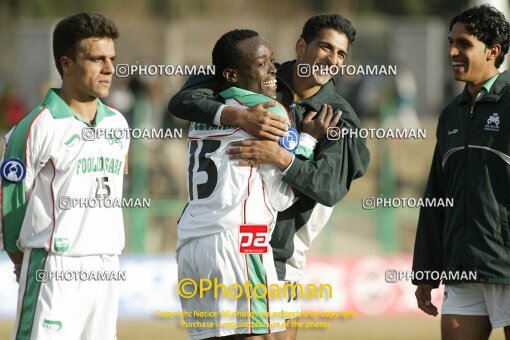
(49, 162)
(223, 196)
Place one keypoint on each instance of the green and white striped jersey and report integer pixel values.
(62, 165)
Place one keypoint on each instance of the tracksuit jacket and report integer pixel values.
(471, 165)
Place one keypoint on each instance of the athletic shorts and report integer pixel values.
(479, 299)
(59, 299)
(229, 305)
(291, 300)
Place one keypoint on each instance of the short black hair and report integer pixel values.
(71, 30)
(314, 26)
(226, 53)
(488, 25)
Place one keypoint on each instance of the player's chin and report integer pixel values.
(321, 80)
(458, 76)
(268, 90)
(102, 92)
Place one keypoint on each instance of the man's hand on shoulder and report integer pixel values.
(256, 120)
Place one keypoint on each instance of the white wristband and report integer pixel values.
(307, 141)
(284, 172)
(217, 117)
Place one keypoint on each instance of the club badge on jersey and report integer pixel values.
(291, 141)
(13, 170)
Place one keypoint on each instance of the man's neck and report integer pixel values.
(84, 107)
(475, 88)
(302, 88)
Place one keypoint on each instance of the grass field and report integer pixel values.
(394, 328)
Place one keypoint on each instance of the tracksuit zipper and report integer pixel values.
(466, 148)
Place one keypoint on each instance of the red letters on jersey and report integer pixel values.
(253, 238)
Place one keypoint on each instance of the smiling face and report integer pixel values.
(327, 49)
(89, 74)
(472, 61)
(257, 72)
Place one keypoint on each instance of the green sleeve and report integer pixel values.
(303, 151)
(196, 100)
(14, 202)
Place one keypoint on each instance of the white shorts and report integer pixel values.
(291, 301)
(479, 299)
(235, 310)
(68, 306)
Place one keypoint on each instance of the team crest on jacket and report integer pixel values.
(492, 123)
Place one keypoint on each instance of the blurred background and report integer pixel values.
(357, 246)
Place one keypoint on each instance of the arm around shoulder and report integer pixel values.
(196, 100)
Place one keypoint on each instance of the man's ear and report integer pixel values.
(230, 75)
(494, 52)
(301, 47)
(65, 64)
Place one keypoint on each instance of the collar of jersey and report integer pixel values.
(59, 108)
(233, 92)
(237, 94)
(488, 83)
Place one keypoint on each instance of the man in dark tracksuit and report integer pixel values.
(326, 179)
(471, 164)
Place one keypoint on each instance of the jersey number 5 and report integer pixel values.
(206, 168)
(103, 188)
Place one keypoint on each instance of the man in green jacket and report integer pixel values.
(323, 181)
(471, 164)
